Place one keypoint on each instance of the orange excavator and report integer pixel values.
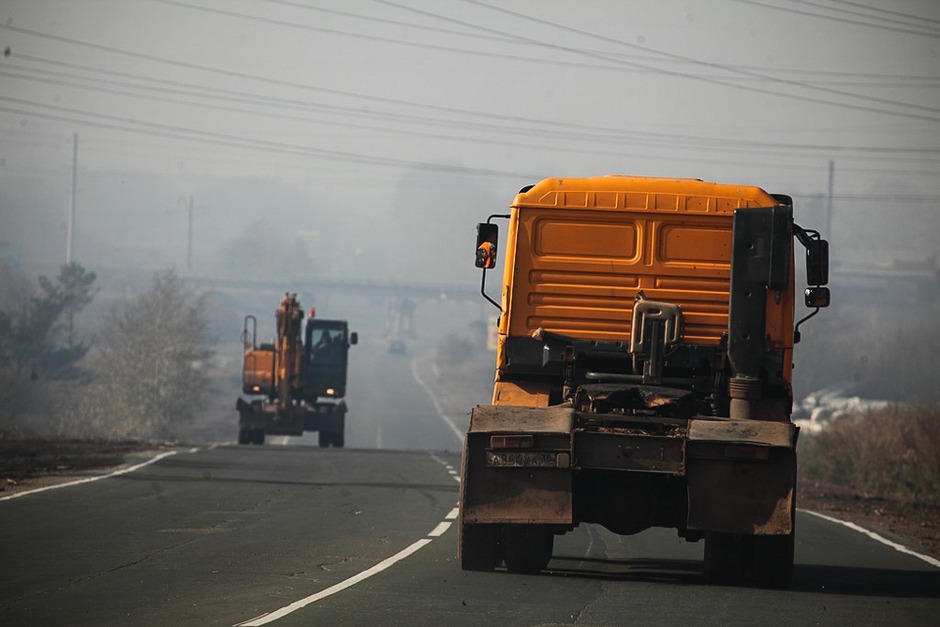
(297, 383)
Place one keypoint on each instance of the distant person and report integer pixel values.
(323, 349)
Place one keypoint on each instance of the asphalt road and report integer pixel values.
(297, 535)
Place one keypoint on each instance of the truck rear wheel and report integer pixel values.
(772, 561)
(528, 547)
(736, 559)
(478, 546)
(725, 558)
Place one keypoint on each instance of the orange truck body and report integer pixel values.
(683, 421)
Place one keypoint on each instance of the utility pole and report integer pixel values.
(71, 224)
(189, 246)
(828, 233)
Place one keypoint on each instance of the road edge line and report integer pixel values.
(876, 537)
(440, 412)
(270, 617)
(122, 471)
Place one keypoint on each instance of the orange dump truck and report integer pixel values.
(643, 373)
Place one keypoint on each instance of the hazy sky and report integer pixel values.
(341, 101)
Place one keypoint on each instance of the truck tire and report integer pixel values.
(528, 548)
(478, 546)
(735, 559)
(725, 558)
(772, 561)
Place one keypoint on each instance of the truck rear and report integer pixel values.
(643, 373)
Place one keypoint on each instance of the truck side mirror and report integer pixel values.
(817, 263)
(353, 338)
(817, 297)
(487, 237)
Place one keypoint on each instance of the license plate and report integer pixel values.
(521, 459)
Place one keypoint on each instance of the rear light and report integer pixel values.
(512, 441)
(330, 391)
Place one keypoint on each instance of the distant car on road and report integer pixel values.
(396, 347)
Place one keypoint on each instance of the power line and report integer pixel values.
(907, 31)
(599, 134)
(661, 71)
(175, 132)
(910, 16)
(867, 13)
(896, 80)
(691, 60)
(607, 57)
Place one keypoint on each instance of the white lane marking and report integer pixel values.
(438, 531)
(874, 536)
(450, 469)
(264, 619)
(96, 477)
(447, 419)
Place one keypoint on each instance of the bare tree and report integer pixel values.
(149, 364)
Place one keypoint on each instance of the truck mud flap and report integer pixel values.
(741, 476)
(526, 484)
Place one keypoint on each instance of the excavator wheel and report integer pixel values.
(333, 434)
(250, 436)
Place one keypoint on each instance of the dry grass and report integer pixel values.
(892, 454)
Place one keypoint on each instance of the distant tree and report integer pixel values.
(73, 290)
(37, 342)
(63, 299)
(36, 328)
(148, 366)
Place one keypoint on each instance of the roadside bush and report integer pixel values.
(893, 453)
(147, 370)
